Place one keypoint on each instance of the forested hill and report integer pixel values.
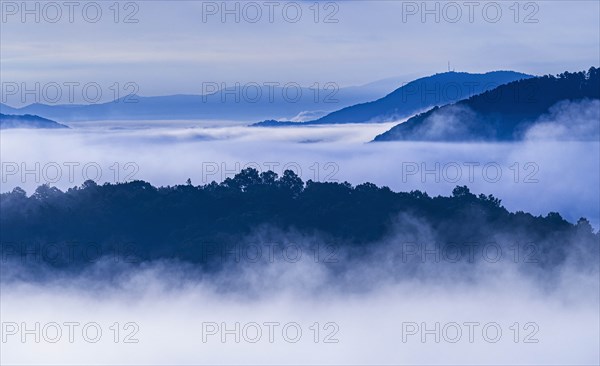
(174, 222)
(502, 114)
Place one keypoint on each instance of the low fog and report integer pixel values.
(373, 312)
(579, 121)
(552, 173)
(370, 309)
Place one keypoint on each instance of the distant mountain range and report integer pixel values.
(505, 113)
(416, 96)
(27, 121)
(243, 102)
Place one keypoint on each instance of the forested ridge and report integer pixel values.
(174, 221)
(501, 114)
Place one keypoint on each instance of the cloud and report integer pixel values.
(366, 302)
(565, 173)
(578, 121)
(171, 49)
(308, 116)
(452, 123)
(363, 314)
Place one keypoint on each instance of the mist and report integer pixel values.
(381, 308)
(564, 171)
(402, 300)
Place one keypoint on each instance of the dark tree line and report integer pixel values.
(175, 221)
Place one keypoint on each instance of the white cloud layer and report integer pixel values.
(172, 314)
(168, 307)
(534, 176)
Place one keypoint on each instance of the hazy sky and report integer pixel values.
(176, 45)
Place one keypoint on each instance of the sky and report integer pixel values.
(171, 47)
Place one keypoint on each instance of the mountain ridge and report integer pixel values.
(28, 121)
(238, 102)
(504, 113)
(413, 97)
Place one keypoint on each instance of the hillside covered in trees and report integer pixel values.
(502, 114)
(174, 222)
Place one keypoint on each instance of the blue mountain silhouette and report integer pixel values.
(416, 96)
(241, 102)
(27, 121)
